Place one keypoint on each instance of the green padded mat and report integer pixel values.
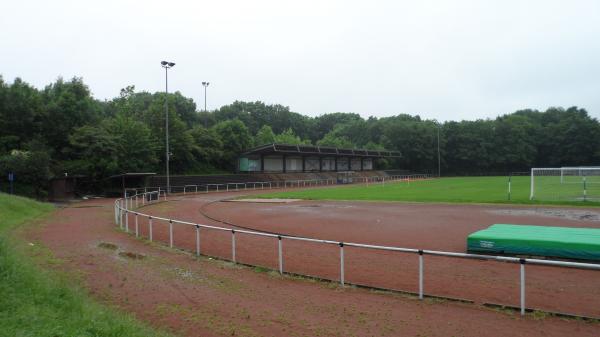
(565, 242)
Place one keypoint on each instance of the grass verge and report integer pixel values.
(36, 302)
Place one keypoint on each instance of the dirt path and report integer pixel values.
(205, 297)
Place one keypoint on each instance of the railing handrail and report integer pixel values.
(286, 182)
(578, 265)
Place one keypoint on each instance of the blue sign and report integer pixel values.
(11, 176)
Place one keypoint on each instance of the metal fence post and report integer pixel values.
(197, 240)
(127, 221)
(150, 228)
(137, 229)
(171, 233)
(341, 263)
(233, 245)
(420, 274)
(522, 261)
(279, 244)
(120, 210)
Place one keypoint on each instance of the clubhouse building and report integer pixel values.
(284, 158)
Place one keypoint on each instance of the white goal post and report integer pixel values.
(580, 183)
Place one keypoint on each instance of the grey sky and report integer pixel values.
(439, 59)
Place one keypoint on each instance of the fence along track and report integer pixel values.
(123, 207)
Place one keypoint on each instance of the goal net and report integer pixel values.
(565, 183)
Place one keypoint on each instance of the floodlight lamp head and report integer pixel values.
(171, 64)
(203, 83)
(164, 63)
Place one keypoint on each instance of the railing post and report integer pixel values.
(144, 198)
(280, 250)
(522, 261)
(341, 263)
(137, 229)
(127, 221)
(420, 274)
(197, 240)
(120, 216)
(150, 228)
(171, 233)
(233, 245)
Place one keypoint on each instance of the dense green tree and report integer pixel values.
(235, 138)
(331, 139)
(327, 122)
(93, 153)
(67, 105)
(31, 170)
(208, 148)
(20, 114)
(264, 136)
(289, 137)
(134, 147)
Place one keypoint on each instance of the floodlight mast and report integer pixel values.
(167, 66)
(205, 84)
(438, 152)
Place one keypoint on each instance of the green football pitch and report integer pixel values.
(453, 190)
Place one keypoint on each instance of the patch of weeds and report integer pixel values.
(539, 315)
(108, 245)
(435, 300)
(132, 255)
(259, 269)
(503, 310)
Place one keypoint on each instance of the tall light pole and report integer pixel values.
(167, 66)
(438, 150)
(205, 85)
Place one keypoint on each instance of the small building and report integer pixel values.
(309, 158)
(63, 188)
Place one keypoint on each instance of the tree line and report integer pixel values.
(62, 129)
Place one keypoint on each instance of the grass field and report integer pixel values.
(36, 302)
(453, 190)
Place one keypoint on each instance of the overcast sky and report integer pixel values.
(448, 60)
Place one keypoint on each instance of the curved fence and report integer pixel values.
(276, 184)
(124, 208)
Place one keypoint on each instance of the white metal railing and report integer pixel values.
(123, 210)
(276, 184)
